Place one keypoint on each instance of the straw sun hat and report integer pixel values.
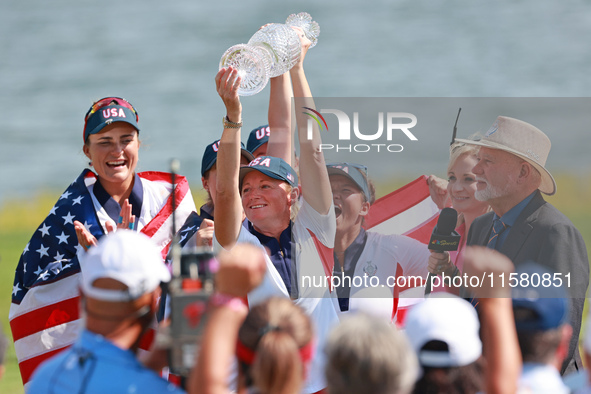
(523, 140)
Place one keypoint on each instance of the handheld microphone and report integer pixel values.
(443, 238)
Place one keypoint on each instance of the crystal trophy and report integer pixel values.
(270, 52)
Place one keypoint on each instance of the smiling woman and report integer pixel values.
(267, 191)
(44, 315)
(114, 154)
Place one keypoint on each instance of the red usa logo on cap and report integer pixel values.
(113, 112)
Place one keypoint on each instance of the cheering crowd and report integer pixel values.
(87, 287)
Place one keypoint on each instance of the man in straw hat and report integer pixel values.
(511, 177)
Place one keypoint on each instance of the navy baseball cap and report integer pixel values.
(210, 156)
(354, 172)
(106, 111)
(273, 167)
(257, 138)
(550, 305)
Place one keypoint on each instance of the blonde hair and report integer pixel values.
(276, 329)
(456, 151)
(459, 149)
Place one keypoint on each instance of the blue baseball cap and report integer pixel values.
(108, 110)
(210, 156)
(550, 304)
(257, 138)
(355, 172)
(273, 167)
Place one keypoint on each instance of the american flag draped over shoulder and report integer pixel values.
(44, 315)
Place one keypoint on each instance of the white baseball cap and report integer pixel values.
(127, 256)
(449, 319)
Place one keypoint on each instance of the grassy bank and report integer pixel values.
(19, 219)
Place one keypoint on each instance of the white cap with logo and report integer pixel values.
(448, 319)
(127, 256)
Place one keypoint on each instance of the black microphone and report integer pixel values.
(443, 238)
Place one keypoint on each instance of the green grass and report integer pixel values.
(19, 219)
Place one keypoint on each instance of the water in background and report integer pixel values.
(57, 57)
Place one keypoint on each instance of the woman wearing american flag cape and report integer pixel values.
(44, 315)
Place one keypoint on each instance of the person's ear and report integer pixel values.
(294, 194)
(205, 183)
(364, 209)
(86, 151)
(525, 171)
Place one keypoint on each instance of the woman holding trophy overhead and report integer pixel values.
(266, 191)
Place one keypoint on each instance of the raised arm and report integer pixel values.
(241, 270)
(227, 204)
(313, 174)
(280, 140)
(498, 332)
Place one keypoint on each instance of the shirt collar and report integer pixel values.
(111, 206)
(265, 239)
(206, 211)
(91, 344)
(510, 217)
(351, 254)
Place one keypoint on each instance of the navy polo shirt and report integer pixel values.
(206, 212)
(113, 208)
(281, 257)
(352, 254)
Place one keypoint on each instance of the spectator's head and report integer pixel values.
(367, 355)
(257, 141)
(120, 282)
(541, 316)
(461, 185)
(275, 344)
(444, 333)
(511, 162)
(208, 168)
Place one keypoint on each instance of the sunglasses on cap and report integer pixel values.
(105, 102)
